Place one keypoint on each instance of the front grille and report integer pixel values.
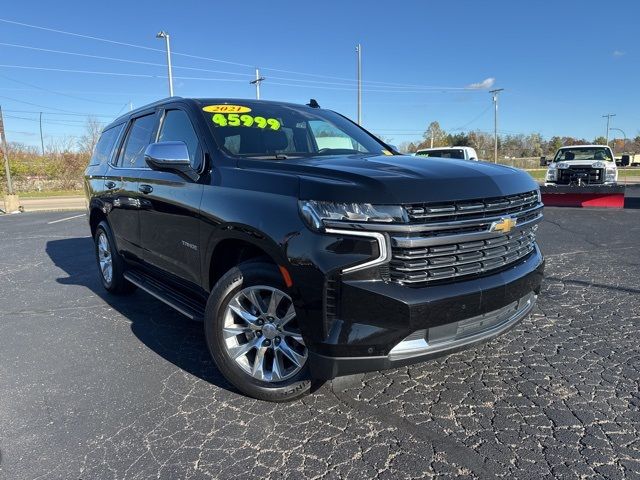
(475, 209)
(458, 240)
(580, 174)
(461, 259)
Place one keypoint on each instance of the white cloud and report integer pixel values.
(486, 83)
(619, 53)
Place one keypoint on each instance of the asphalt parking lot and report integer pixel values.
(100, 387)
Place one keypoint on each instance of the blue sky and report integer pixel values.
(562, 64)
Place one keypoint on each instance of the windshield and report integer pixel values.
(278, 131)
(584, 153)
(448, 153)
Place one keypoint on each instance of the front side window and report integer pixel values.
(280, 131)
(177, 126)
(104, 148)
(138, 139)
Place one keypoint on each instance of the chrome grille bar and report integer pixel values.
(476, 209)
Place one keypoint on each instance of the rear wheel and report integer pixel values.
(110, 263)
(253, 334)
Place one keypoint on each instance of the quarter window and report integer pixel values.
(104, 148)
(137, 140)
(177, 126)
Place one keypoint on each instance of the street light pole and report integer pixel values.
(608, 117)
(624, 137)
(495, 122)
(165, 35)
(359, 52)
(41, 137)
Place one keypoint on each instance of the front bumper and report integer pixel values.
(385, 325)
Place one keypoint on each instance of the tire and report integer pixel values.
(107, 254)
(264, 333)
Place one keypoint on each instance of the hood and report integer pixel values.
(397, 179)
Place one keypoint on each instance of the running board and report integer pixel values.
(180, 302)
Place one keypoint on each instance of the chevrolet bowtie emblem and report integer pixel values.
(504, 225)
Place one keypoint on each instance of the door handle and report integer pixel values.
(145, 188)
(110, 185)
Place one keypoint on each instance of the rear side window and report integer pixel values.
(449, 153)
(177, 126)
(104, 148)
(138, 139)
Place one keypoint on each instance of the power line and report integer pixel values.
(36, 104)
(56, 92)
(207, 79)
(199, 57)
(61, 113)
(383, 85)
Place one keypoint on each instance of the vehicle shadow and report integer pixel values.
(158, 326)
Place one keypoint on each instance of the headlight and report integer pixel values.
(539, 195)
(610, 175)
(562, 165)
(315, 212)
(552, 174)
(598, 165)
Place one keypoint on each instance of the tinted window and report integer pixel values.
(137, 140)
(176, 126)
(449, 153)
(104, 148)
(280, 131)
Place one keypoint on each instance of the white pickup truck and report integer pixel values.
(582, 165)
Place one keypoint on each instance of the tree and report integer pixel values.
(600, 140)
(87, 142)
(554, 144)
(459, 140)
(407, 147)
(434, 136)
(482, 142)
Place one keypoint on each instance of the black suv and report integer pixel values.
(309, 248)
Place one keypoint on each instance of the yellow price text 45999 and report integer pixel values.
(244, 120)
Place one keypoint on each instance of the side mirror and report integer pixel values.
(169, 156)
(543, 161)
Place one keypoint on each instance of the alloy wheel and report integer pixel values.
(261, 334)
(104, 257)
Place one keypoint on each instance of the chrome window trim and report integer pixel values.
(384, 251)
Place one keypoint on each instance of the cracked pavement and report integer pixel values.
(95, 386)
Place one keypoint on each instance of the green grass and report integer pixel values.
(51, 193)
(538, 173)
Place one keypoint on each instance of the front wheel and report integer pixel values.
(254, 336)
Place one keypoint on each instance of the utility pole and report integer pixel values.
(359, 52)
(257, 82)
(165, 35)
(495, 122)
(608, 117)
(41, 137)
(5, 154)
